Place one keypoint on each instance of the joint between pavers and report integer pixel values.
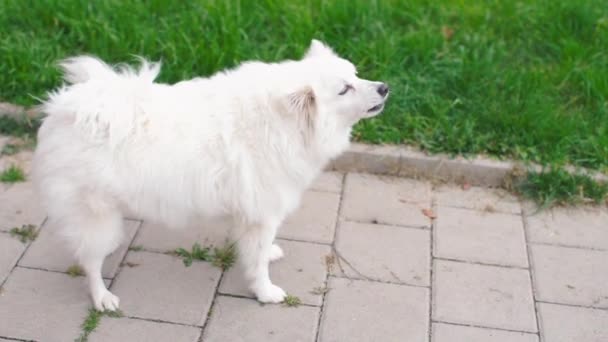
(304, 241)
(481, 263)
(581, 306)
(333, 251)
(496, 211)
(584, 248)
(484, 327)
(426, 228)
(524, 221)
(124, 257)
(16, 339)
(372, 280)
(27, 247)
(431, 262)
(216, 293)
(155, 320)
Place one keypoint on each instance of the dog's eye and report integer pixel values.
(347, 87)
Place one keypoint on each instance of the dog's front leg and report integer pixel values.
(255, 252)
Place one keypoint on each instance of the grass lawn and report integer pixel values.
(517, 79)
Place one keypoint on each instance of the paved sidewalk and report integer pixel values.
(371, 258)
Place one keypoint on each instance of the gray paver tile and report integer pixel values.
(488, 296)
(42, 306)
(161, 287)
(20, 206)
(158, 238)
(579, 227)
(457, 333)
(383, 199)
(329, 182)
(477, 198)
(315, 220)
(559, 323)
(49, 252)
(244, 320)
(570, 275)
(358, 310)
(301, 270)
(493, 238)
(136, 330)
(387, 253)
(10, 251)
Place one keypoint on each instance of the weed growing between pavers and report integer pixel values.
(17, 145)
(559, 187)
(196, 253)
(292, 301)
(92, 321)
(225, 256)
(222, 257)
(27, 232)
(75, 271)
(19, 128)
(13, 174)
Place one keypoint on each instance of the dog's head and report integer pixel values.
(333, 89)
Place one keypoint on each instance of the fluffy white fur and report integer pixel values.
(244, 143)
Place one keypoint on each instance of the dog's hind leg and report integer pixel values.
(95, 236)
(255, 251)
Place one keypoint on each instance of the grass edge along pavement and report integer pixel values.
(516, 80)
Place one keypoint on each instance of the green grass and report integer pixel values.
(558, 187)
(13, 174)
(518, 79)
(25, 233)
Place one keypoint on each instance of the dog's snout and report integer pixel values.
(383, 89)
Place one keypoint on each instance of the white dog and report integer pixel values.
(244, 143)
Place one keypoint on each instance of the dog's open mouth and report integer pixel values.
(376, 108)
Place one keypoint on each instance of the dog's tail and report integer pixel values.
(81, 69)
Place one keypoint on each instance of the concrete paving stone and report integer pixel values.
(43, 306)
(137, 330)
(469, 235)
(570, 275)
(315, 220)
(159, 238)
(578, 227)
(22, 160)
(387, 200)
(386, 253)
(559, 323)
(20, 206)
(160, 287)
(487, 296)
(300, 272)
(328, 182)
(479, 198)
(359, 310)
(458, 333)
(10, 251)
(245, 320)
(49, 252)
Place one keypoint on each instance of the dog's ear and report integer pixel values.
(318, 49)
(303, 104)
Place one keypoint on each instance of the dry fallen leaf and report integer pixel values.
(429, 213)
(447, 32)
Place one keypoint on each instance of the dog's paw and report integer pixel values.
(271, 294)
(106, 301)
(276, 252)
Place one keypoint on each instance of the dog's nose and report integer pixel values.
(383, 89)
